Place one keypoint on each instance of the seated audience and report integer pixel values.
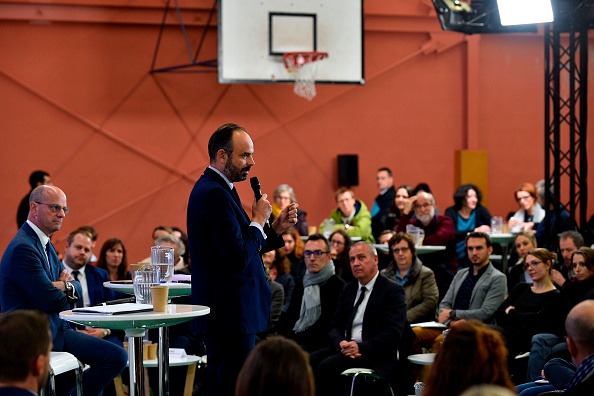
(548, 237)
(368, 325)
(170, 240)
(178, 232)
(276, 366)
(439, 230)
(475, 293)
(468, 215)
(279, 271)
(24, 352)
(157, 231)
(418, 281)
(472, 354)
(314, 298)
(385, 257)
(383, 202)
(340, 244)
(293, 250)
(402, 194)
(94, 235)
(351, 215)
(569, 242)
(530, 213)
(283, 197)
(524, 242)
(112, 258)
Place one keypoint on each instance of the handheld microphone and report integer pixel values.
(255, 183)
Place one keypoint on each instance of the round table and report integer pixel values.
(425, 359)
(135, 325)
(423, 249)
(175, 289)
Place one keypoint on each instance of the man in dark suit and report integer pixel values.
(37, 178)
(24, 352)
(226, 247)
(368, 324)
(32, 277)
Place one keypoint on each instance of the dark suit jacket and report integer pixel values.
(95, 277)
(26, 283)
(227, 270)
(11, 391)
(383, 322)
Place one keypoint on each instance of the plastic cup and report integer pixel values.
(496, 225)
(159, 296)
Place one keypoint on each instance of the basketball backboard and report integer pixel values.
(254, 34)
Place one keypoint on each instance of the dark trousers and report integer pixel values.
(226, 355)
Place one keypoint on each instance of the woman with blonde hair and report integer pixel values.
(471, 354)
(524, 242)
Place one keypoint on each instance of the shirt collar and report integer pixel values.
(42, 237)
(369, 285)
(223, 176)
(81, 270)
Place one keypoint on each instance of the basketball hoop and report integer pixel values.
(304, 65)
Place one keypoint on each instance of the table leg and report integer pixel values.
(163, 361)
(135, 358)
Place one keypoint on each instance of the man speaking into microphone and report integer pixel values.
(225, 250)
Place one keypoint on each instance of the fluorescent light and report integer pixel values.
(522, 12)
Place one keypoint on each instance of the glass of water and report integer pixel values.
(145, 277)
(162, 256)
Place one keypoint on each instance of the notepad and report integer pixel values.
(431, 325)
(115, 309)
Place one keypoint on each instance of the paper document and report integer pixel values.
(115, 309)
(434, 325)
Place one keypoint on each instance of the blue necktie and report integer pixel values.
(49, 259)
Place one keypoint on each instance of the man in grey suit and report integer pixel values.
(475, 293)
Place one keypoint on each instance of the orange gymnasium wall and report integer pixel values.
(76, 99)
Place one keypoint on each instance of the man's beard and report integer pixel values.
(234, 174)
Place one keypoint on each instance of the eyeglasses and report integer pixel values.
(316, 253)
(337, 243)
(400, 250)
(423, 206)
(55, 208)
(533, 264)
(525, 197)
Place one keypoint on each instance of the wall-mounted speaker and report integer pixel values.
(348, 170)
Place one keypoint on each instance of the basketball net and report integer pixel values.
(305, 66)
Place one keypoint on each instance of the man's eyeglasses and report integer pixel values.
(316, 253)
(423, 206)
(400, 250)
(55, 208)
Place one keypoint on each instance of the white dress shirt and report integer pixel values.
(357, 331)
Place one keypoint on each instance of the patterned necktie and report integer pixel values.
(79, 302)
(49, 259)
(349, 325)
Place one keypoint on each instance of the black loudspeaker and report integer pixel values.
(348, 170)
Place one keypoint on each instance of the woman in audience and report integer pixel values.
(530, 213)
(283, 196)
(293, 250)
(341, 243)
(418, 281)
(402, 194)
(112, 258)
(468, 215)
(531, 308)
(524, 242)
(279, 270)
(472, 354)
(277, 366)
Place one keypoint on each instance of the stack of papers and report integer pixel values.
(431, 325)
(116, 309)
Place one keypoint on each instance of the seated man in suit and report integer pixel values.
(24, 352)
(76, 261)
(314, 298)
(33, 277)
(368, 324)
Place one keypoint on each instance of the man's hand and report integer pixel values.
(261, 210)
(99, 333)
(65, 276)
(286, 219)
(557, 277)
(509, 309)
(444, 315)
(349, 349)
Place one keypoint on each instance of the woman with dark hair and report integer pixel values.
(417, 280)
(112, 258)
(530, 213)
(468, 216)
(472, 354)
(279, 270)
(340, 244)
(403, 193)
(277, 366)
(293, 251)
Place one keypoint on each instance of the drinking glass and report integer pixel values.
(145, 277)
(496, 225)
(162, 256)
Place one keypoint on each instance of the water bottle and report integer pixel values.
(328, 227)
(146, 276)
(162, 256)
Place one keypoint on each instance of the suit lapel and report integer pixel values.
(233, 194)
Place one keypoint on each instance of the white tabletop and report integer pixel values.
(423, 249)
(502, 238)
(176, 314)
(174, 361)
(175, 289)
(425, 359)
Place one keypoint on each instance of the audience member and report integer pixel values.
(113, 259)
(33, 277)
(293, 250)
(157, 232)
(548, 230)
(179, 249)
(283, 196)
(439, 230)
(383, 202)
(94, 235)
(472, 354)
(24, 352)
(37, 178)
(351, 215)
(278, 295)
(314, 298)
(468, 215)
(340, 244)
(279, 270)
(384, 257)
(530, 213)
(524, 242)
(367, 333)
(569, 242)
(178, 232)
(417, 280)
(475, 293)
(276, 366)
(531, 308)
(403, 193)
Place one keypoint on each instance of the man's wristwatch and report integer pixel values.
(453, 314)
(69, 289)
